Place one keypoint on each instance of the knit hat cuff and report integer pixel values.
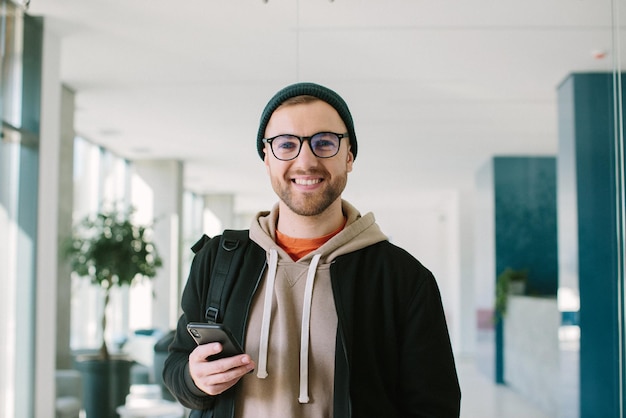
(307, 89)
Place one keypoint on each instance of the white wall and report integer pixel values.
(467, 287)
(484, 238)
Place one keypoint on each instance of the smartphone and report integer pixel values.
(204, 333)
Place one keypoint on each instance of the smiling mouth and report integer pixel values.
(307, 182)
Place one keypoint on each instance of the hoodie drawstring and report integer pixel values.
(306, 325)
(267, 314)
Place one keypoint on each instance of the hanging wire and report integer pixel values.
(297, 40)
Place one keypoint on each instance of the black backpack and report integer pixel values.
(229, 255)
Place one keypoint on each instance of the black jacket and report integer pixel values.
(393, 354)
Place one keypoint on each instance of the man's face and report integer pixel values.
(308, 185)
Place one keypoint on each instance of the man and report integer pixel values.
(335, 321)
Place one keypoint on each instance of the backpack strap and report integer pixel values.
(228, 259)
(198, 245)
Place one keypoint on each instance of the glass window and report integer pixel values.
(101, 182)
(19, 161)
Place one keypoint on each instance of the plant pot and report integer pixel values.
(105, 384)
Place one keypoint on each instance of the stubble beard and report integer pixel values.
(313, 203)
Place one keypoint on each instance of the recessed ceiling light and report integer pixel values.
(110, 132)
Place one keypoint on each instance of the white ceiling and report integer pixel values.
(436, 87)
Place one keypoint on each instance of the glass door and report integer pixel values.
(619, 45)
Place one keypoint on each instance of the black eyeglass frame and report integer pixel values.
(302, 139)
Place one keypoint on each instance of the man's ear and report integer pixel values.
(350, 160)
(266, 157)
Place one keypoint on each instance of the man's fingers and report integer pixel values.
(201, 352)
(215, 376)
(228, 375)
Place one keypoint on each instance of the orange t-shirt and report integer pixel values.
(299, 247)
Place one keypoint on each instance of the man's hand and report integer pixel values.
(214, 377)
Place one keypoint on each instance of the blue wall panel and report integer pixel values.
(525, 210)
(525, 229)
(586, 119)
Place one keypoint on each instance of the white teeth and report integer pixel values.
(307, 182)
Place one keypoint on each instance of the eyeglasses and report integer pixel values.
(287, 147)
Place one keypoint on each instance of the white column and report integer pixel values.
(467, 307)
(64, 222)
(47, 240)
(223, 207)
(484, 268)
(157, 193)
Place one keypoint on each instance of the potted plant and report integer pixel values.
(109, 249)
(509, 282)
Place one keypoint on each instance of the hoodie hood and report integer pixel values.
(359, 232)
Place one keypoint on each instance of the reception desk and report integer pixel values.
(531, 350)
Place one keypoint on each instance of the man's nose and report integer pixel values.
(306, 153)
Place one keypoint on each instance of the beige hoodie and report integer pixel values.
(293, 323)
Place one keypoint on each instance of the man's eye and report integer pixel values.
(324, 144)
(286, 145)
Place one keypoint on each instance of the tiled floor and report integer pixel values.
(481, 398)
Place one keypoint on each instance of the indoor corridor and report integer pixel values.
(482, 398)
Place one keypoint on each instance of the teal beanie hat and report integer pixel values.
(307, 89)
